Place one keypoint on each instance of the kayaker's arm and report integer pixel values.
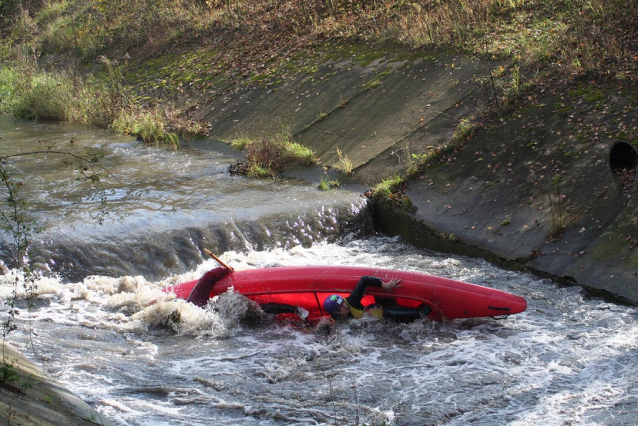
(360, 289)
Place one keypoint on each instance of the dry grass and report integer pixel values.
(565, 37)
(593, 36)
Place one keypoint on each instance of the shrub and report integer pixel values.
(148, 125)
(9, 78)
(327, 184)
(43, 96)
(267, 157)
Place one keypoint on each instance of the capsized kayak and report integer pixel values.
(308, 286)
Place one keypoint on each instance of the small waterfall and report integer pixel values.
(155, 254)
(163, 206)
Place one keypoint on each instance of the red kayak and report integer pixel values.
(308, 286)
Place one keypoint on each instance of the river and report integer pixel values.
(102, 326)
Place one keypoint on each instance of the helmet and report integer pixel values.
(332, 304)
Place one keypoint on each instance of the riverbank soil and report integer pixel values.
(33, 399)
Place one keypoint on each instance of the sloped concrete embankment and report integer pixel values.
(540, 188)
(550, 187)
(367, 112)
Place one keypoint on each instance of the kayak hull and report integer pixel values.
(308, 286)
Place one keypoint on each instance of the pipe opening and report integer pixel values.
(623, 160)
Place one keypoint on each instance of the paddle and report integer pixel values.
(211, 254)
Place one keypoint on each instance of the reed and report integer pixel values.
(346, 163)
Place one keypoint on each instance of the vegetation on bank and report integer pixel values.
(267, 157)
(121, 64)
(34, 94)
(593, 36)
(124, 63)
(171, 47)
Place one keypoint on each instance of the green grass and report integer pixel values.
(388, 186)
(328, 184)
(269, 156)
(392, 189)
(149, 125)
(31, 93)
(40, 95)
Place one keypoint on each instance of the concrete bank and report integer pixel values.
(32, 399)
(549, 185)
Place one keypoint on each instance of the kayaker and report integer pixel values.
(335, 305)
(339, 307)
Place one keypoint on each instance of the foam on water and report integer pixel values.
(142, 358)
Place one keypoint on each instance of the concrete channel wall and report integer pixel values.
(548, 185)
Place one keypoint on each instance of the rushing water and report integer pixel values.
(162, 205)
(140, 358)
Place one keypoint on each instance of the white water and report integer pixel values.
(567, 360)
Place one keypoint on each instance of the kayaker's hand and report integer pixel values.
(325, 326)
(302, 313)
(393, 283)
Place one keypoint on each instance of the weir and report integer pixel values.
(162, 206)
(157, 254)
